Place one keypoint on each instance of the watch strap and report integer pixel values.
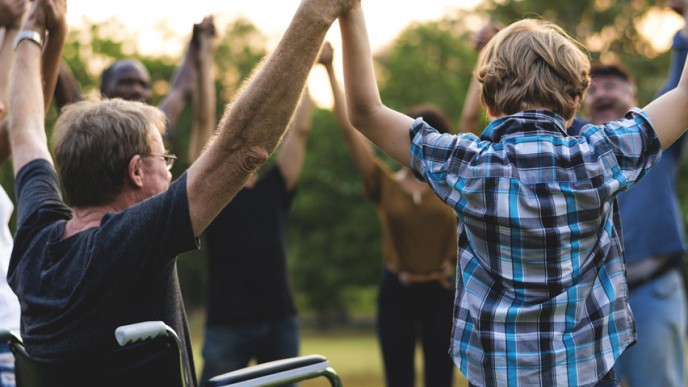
(29, 35)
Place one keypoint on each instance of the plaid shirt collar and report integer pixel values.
(530, 122)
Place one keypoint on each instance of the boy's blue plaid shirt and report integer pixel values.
(541, 293)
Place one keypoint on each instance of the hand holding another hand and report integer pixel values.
(47, 15)
(11, 12)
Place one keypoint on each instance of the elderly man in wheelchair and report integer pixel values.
(104, 256)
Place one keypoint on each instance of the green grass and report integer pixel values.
(353, 352)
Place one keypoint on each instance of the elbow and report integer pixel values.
(361, 116)
(251, 158)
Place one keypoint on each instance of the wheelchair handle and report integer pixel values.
(146, 330)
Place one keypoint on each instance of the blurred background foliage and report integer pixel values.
(334, 246)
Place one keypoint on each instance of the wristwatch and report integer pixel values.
(29, 35)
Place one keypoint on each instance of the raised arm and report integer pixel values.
(292, 152)
(359, 147)
(67, 88)
(253, 124)
(52, 56)
(669, 112)
(27, 101)
(5, 149)
(11, 19)
(203, 100)
(386, 128)
(470, 114)
(472, 107)
(184, 80)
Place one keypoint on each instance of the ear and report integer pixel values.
(492, 113)
(135, 171)
(576, 101)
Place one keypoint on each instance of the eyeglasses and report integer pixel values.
(168, 158)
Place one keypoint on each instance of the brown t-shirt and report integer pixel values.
(418, 237)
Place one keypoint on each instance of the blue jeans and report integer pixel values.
(657, 359)
(410, 312)
(6, 366)
(229, 348)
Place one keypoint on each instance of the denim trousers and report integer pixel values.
(6, 366)
(410, 312)
(229, 348)
(657, 359)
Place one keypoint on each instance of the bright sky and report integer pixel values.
(143, 17)
(385, 20)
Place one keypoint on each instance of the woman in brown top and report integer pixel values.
(416, 296)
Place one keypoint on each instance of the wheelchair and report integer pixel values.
(149, 354)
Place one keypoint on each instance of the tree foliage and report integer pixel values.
(429, 62)
(609, 29)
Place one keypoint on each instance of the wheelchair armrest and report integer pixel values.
(275, 372)
(146, 330)
(8, 336)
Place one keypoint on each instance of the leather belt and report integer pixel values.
(647, 269)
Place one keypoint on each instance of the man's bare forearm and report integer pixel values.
(273, 92)
(255, 122)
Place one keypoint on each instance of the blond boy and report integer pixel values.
(541, 294)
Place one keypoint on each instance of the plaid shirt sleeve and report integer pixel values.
(434, 154)
(632, 142)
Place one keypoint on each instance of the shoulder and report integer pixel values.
(37, 188)
(636, 124)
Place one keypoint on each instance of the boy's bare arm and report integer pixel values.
(253, 124)
(669, 113)
(386, 128)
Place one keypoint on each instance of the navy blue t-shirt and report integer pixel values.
(247, 250)
(75, 292)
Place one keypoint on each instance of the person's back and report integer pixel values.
(247, 244)
(541, 255)
(117, 272)
(540, 242)
(541, 294)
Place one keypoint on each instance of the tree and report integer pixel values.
(429, 62)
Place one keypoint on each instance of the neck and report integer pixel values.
(87, 217)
